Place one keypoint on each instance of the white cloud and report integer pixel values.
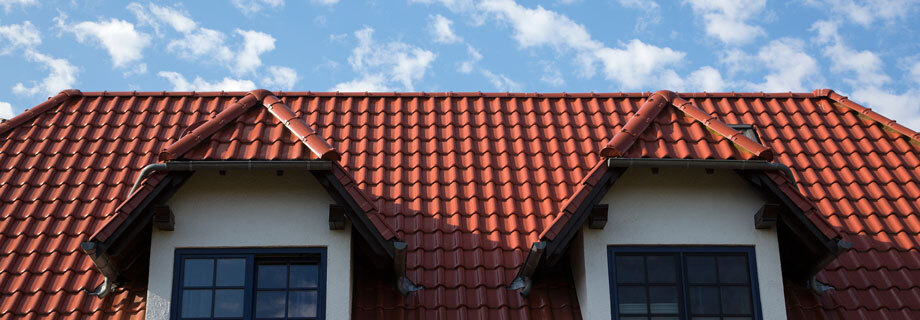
(252, 6)
(706, 79)
(8, 4)
(325, 2)
(790, 67)
(199, 43)
(633, 65)
(368, 83)
(452, 5)
(467, 66)
(6, 110)
(174, 18)
(61, 75)
(552, 76)
(118, 37)
(439, 27)
(500, 82)
(726, 20)
(254, 44)
(649, 7)
(23, 35)
(396, 61)
(179, 83)
(280, 77)
(865, 13)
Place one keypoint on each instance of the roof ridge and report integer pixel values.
(452, 94)
(30, 114)
(273, 105)
(627, 136)
(875, 116)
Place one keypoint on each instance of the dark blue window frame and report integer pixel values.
(681, 251)
(251, 255)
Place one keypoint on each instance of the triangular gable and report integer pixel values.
(212, 142)
(658, 133)
(622, 142)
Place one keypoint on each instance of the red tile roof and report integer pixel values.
(468, 180)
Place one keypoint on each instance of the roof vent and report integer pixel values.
(748, 131)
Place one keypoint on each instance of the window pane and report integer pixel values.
(632, 299)
(270, 304)
(196, 303)
(228, 303)
(663, 299)
(304, 276)
(736, 300)
(633, 318)
(662, 269)
(272, 276)
(665, 318)
(733, 269)
(302, 304)
(199, 272)
(704, 300)
(701, 269)
(231, 272)
(630, 269)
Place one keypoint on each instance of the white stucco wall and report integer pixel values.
(251, 209)
(676, 207)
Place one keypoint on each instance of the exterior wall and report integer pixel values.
(676, 207)
(251, 209)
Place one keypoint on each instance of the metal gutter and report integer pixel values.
(706, 164)
(247, 165)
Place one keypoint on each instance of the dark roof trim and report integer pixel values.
(30, 114)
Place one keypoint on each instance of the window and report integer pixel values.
(697, 283)
(278, 283)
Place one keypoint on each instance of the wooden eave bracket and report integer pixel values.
(766, 216)
(598, 217)
(336, 217)
(163, 218)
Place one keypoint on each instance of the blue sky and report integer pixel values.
(868, 50)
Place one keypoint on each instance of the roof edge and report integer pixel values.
(30, 114)
(451, 94)
(875, 116)
(623, 139)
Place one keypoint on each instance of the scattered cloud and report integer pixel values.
(280, 78)
(252, 6)
(466, 67)
(500, 82)
(19, 36)
(648, 7)
(439, 27)
(118, 37)
(727, 20)
(552, 76)
(179, 83)
(156, 15)
(452, 5)
(61, 75)
(865, 13)
(387, 62)
(200, 43)
(325, 2)
(633, 65)
(9, 4)
(367, 83)
(790, 67)
(706, 79)
(6, 110)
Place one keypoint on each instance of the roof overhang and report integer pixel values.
(807, 243)
(120, 248)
